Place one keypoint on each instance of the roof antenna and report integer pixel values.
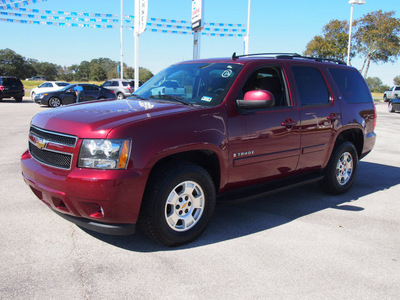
(234, 56)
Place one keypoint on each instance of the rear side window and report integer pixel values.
(311, 86)
(11, 81)
(351, 85)
(124, 83)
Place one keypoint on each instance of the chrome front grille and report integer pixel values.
(51, 148)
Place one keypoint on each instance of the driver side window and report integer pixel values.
(269, 79)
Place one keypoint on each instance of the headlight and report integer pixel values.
(41, 96)
(104, 154)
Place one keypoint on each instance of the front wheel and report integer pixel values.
(120, 96)
(54, 102)
(341, 170)
(178, 204)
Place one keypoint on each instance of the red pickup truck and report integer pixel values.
(246, 126)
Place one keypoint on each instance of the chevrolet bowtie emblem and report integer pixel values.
(41, 143)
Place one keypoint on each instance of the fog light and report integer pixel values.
(98, 214)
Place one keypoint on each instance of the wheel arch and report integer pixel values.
(353, 135)
(206, 159)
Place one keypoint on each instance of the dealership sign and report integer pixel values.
(197, 14)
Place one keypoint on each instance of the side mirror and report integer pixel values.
(256, 99)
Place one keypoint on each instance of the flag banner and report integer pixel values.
(11, 4)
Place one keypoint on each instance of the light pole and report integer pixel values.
(352, 2)
(247, 36)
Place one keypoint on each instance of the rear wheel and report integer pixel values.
(33, 96)
(341, 170)
(120, 96)
(54, 102)
(390, 107)
(385, 98)
(178, 204)
(18, 99)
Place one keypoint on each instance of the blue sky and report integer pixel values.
(276, 26)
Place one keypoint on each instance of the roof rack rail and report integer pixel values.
(290, 56)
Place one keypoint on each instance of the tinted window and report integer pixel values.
(11, 81)
(114, 83)
(62, 83)
(124, 83)
(311, 86)
(351, 85)
(270, 79)
(397, 88)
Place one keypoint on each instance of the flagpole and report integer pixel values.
(136, 36)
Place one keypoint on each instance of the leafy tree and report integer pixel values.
(375, 85)
(377, 38)
(332, 44)
(144, 74)
(396, 80)
(66, 73)
(97, 73)
(13, 64)
(46, 69)
(82, 71)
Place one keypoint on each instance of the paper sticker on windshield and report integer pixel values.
(227, 73)
(206, 98)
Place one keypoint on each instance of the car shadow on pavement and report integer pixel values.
(24, 101)
(232, 221)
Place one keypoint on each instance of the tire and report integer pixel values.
(341, 170)
(120, 96)
(33, 96)
(54, 102)
(18, 99)
(385, 98)
(178, 204)
(390, 107)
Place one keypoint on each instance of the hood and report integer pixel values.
(96, 119)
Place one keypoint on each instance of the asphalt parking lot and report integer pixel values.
(299, 244)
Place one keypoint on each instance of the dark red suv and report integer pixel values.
(230, 129)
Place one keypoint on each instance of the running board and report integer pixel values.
(267, 189)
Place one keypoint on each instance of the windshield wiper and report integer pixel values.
(171, 97)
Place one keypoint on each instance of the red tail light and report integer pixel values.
(129, 88)
(1, 88)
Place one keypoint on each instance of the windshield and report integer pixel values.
(203, 84)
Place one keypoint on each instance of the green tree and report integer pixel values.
(46, 69)
(396, 80)
(144, 74)
(332, 44)
(82, 72)
(97, 73)
(377, 38)
(375, 85)
(66, 73)
(13, 64)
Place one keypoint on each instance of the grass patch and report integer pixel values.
(377, 96)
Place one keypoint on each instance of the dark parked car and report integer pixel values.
(67, 95)
(11, 87)
(394, 104)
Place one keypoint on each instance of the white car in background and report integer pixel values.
(48, 86)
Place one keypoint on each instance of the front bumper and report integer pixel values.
(106, 201)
